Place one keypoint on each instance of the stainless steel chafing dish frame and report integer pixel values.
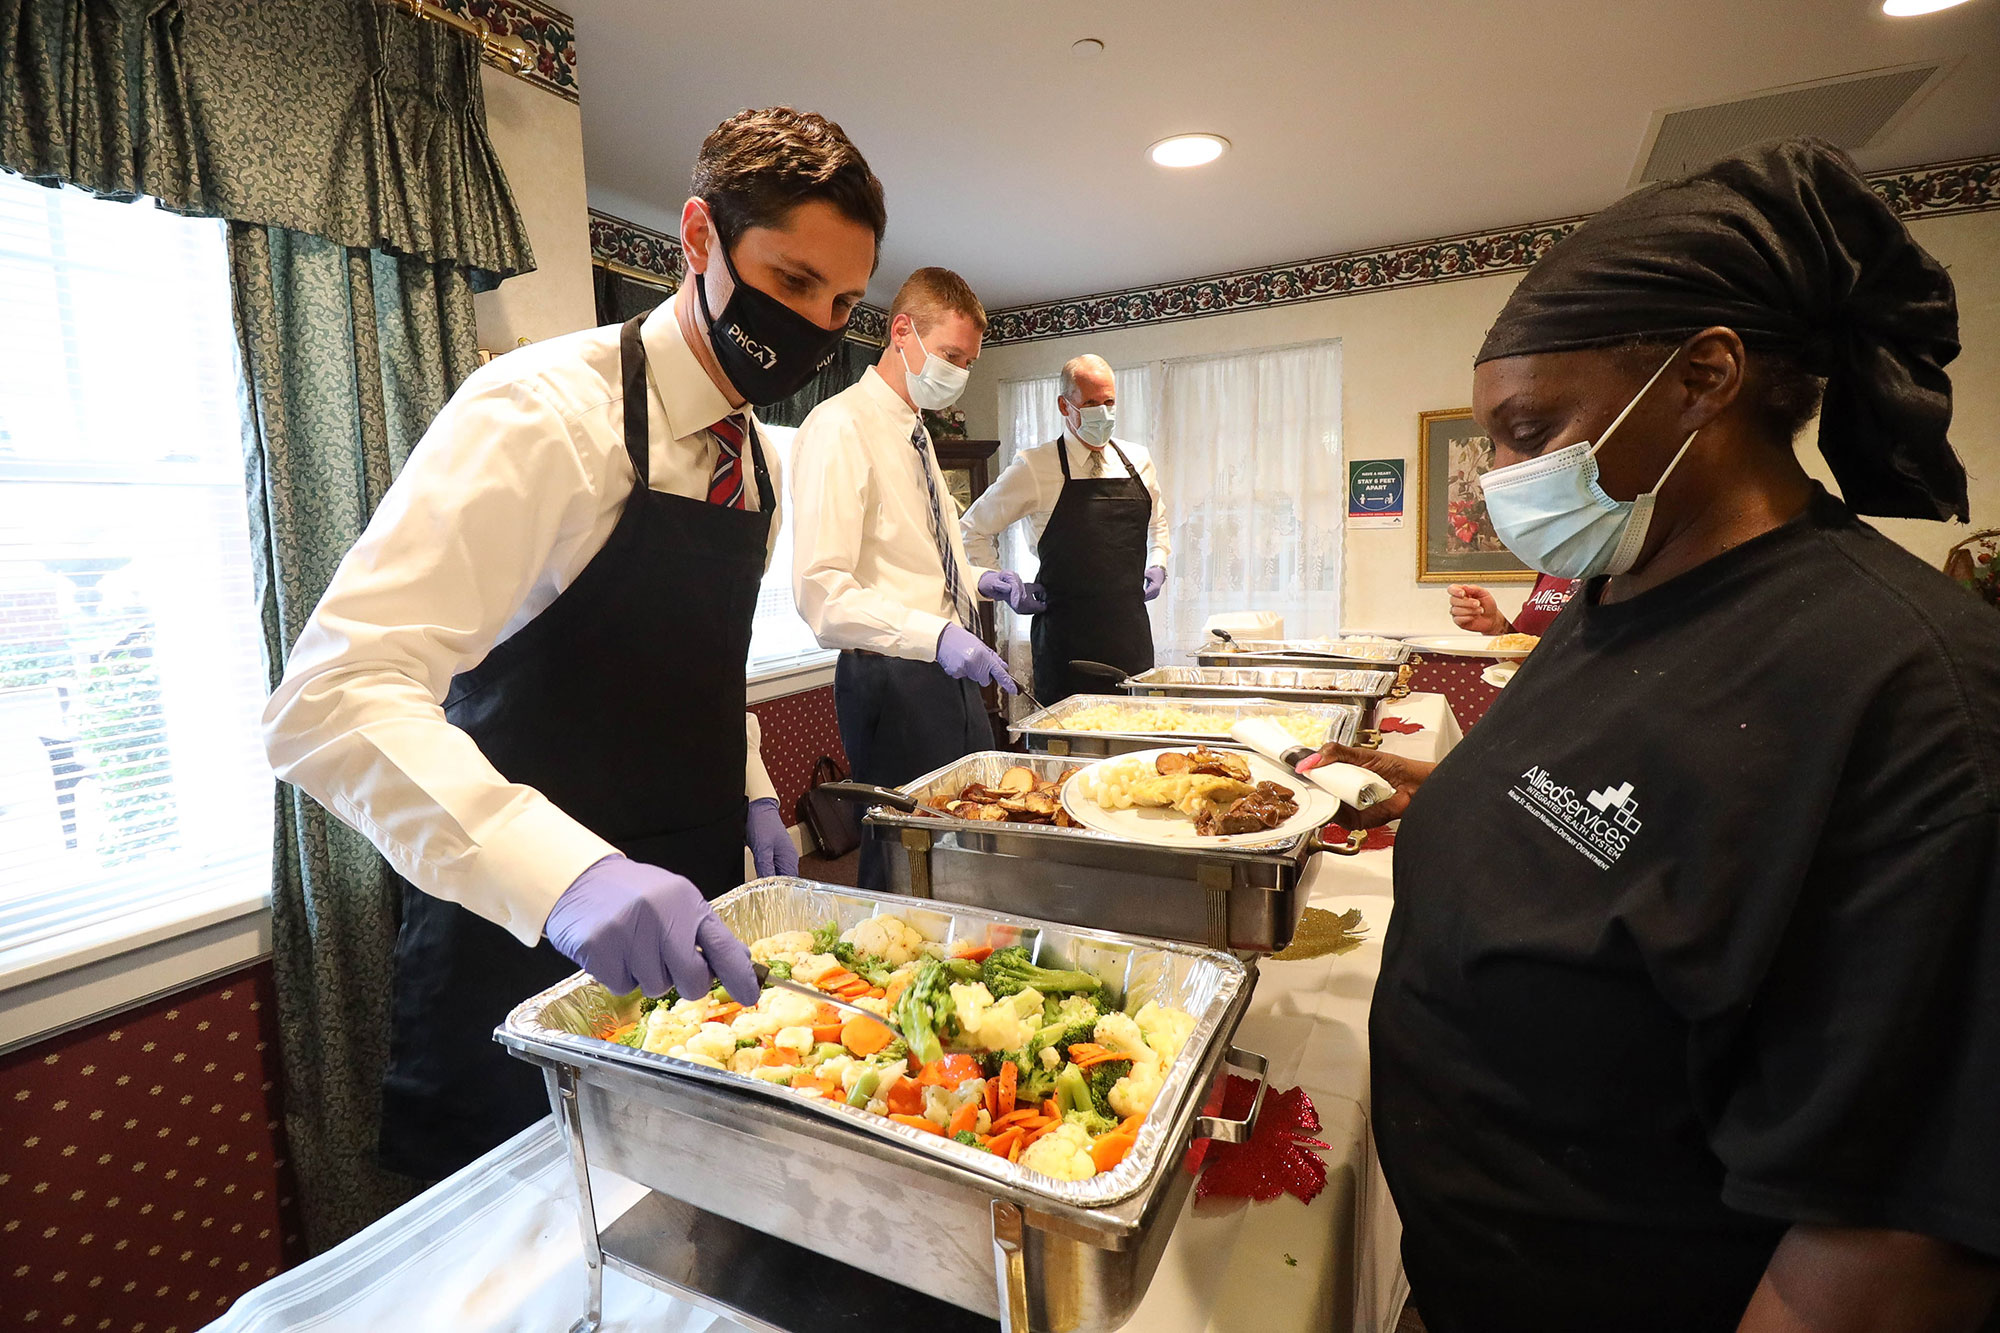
(843, 1185)
(1246, 900)
(1041, 732)
(1359, 652)
(1291, 684)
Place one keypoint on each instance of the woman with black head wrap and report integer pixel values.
(1689, 1015)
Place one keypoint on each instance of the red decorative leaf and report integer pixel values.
(1398, 726)
(1281, 1156)
(1372, 841)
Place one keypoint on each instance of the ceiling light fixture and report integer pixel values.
(1902, 9)
(1188, 150)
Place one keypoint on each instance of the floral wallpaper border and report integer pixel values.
(613, 240)
(550, 31)
(1968, 186)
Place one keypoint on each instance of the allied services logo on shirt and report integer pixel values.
(1600, 825)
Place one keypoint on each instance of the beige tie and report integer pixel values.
(1093, 463)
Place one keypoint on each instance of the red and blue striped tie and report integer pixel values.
(725, 485)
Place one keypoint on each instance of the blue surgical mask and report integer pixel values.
(1093, 425)
(937, 384)
(1552, 513)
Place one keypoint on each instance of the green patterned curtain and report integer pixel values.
(348, 353)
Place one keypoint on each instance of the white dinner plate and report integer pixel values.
(1464, 645)
(1171, 828)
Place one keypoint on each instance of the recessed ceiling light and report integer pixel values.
(1902, 9)
(1187, 150)
(1086, 47)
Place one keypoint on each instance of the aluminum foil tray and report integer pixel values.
(1364, 684)
(1246, 652)
(576, 1016)
(1343, 720)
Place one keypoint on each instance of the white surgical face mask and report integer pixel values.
(936, 386)
(1553, 514)
(1093, 425)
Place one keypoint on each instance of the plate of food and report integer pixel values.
(1503, 646)
(1196, 797)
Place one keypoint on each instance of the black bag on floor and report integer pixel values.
(835, 824)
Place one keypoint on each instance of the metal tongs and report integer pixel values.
(767, 981)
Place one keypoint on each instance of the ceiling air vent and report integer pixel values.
(1851, 112)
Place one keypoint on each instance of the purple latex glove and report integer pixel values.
(637, 927)
(1004, 585)
(1156, 579)
(769, 841)
(964, 657)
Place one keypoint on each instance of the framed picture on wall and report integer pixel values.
(1455, 539)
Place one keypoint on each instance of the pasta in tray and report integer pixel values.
(1165, 719)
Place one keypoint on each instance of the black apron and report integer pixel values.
(1094, 570)
(622, 702)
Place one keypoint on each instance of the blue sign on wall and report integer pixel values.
(1375, 493)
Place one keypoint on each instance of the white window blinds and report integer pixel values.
(130, 669)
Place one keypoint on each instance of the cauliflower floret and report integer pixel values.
(890, 938)
(1117, 1032)
(1050, 1057)
(747, 1060)
(717, 1041)
(663, 1032)
(798, 1039)
(1138, 1090)
(783, 943)
(872, 1005)
(1166, 1029)
(941, 1104)
(755, 1024)
(691, 1010)
(1063, 1153)
(810, 967)
(835, 1067)
(790, 1009)
(779, 1074)
(988, 1024)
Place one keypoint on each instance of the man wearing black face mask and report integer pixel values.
(526, 682)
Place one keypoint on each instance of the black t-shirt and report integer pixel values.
(1698, 934)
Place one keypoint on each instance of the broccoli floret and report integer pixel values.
(897, 1049)
(780, 970)
(1037, 1085)
(924, 1008)
(964, 971)
(1102, 1077)
(1072, 1020)
(967, 1137)
(826, 937)
(875, 971)
(1078, 1104)
(632, 1036)
(1008, 971)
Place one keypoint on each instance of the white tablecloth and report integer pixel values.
(495, 1248)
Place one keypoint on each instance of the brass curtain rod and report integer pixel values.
(503, 46)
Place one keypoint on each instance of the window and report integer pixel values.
(779, 638)
(130, 664)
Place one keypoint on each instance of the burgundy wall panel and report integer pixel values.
(142, 1176)
(1457, 679)
(797, 730)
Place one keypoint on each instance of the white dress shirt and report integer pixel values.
(512, 490)
(1029, 485)
(865, 567)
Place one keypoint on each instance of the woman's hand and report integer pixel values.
(1405, 775)
(1475, 610)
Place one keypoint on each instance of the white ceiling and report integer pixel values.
(1355, 123)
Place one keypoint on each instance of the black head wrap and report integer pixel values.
(1785, 244)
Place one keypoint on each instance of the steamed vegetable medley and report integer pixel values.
(1023, 1061)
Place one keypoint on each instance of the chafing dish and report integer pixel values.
(1299, 684)
(1045, 731)
(1344, 652)
(798, 1214)
(1245, 900)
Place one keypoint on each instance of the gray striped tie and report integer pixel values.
(954, 582)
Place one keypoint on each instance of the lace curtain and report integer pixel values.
(1248, 452)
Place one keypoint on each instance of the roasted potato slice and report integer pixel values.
(1018, 779)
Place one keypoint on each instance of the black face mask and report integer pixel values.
(767, 349)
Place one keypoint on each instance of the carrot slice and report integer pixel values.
(1034, 1134)
(905, 1097)
(993, 1098)
(827, 1032)
(915, 1122)
(863, 1037)
(725, 1012)
(1014, 1153)
(964, 1118)
(1009, 1081)
(1051, 1110)
(1004, 1142)
(823, 1014)
(1018, 1117)
(877, 993)
(781, 1055)
(1110, 1150)
(894, 990)
(976, 954)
